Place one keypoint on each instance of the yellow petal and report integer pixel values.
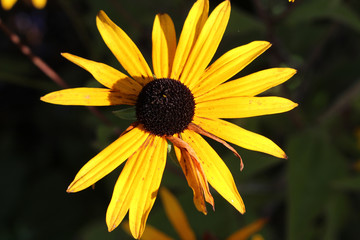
(239, 136)
(189, 34)
(7, 4)
(195, 180)
(206, 45)
(176, 215)
(124, 49)
(245, 232)
(87, 97)
(163, 45)
(153, 164)
(242, 107)
(215, 169)
(109, 159)
(150, 233)
(107, 76)
(124, 189)
(227, 66)
(39, 4)
(250, 85)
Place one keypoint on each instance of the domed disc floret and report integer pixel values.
(165, 106)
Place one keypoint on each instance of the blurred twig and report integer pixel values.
(319, 47)
(35, 59)
(342, 102)
(45, 68)
(279, 54)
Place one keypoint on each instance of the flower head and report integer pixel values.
(184, 99)
(8, 4)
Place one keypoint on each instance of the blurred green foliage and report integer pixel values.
(315, 194)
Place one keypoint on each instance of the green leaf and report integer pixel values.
(349, 184)
(337, 211)
(314, 163)
(127, 113)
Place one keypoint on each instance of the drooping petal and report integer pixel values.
(196, 128)
(124, 49)
(163, 45)
(176, 215)
(107, 76)
(39, 4)
(245, 232)
(215, 169)
(242, 107)
(128, 181)
(150, 233)
(195, 179)
(88, 97)
(239, 136)
(109, 159)
(153, 164)
(206, 45)
(7, 4)
(227, 66)
(250, 85)
(189, 35)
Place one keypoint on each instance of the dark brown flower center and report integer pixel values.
(165, 106)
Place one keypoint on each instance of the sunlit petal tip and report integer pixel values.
(70, 57)
(43, 98)
(289, 72)
(280, 154)
(66, 55)
(111, 227)
(101, 15)
(71, 188)
(294, 105)
(243, 210)
(68, 190)
(264, 44)
(293, 70)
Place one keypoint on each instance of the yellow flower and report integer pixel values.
(182, 227)
(185, 99)
(291, 0)
(8, 4)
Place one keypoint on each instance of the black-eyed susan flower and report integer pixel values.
(182, 99)
(179, 221)
(8, 4)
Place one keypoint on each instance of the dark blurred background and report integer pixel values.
(315, 194)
